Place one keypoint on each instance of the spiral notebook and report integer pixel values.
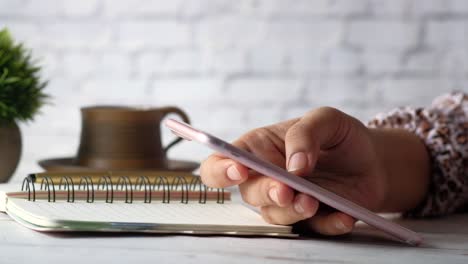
(169, 203)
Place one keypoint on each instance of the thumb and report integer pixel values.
(319, 129)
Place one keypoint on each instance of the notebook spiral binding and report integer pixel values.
(143, 183)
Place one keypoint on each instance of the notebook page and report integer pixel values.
(156, 213)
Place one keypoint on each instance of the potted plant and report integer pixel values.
(21, 96)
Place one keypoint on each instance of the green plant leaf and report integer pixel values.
(21, 88)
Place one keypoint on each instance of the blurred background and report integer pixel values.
(234, 65)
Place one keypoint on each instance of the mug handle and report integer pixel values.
(174, 110)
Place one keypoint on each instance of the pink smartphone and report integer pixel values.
(299, 184)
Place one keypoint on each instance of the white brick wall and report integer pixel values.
(234, 65)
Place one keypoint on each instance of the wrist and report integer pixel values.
(404, 162)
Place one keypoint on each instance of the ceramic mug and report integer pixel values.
(116, 137)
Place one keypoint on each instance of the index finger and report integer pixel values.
(218, 171)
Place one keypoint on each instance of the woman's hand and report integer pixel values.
(335, 151)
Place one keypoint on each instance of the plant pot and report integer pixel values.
(10, 149)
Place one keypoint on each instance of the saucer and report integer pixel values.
(61, 164)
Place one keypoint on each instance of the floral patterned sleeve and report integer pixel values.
(443, 127)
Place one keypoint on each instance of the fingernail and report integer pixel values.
(298, 207)
(340, 226)
(297, 161)
(273, 193)
(233, 173)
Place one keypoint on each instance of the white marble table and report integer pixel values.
(446, 242)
